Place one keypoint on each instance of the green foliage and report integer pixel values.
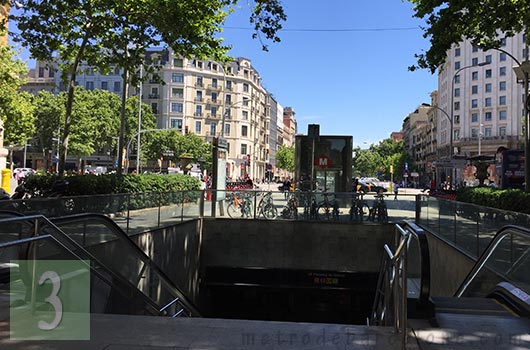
(510, 199)
(449, 22)
(285, 158)
(381, 157)
(16, 109)
(81, 185)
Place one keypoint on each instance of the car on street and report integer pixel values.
(365, 186)
(20, 173)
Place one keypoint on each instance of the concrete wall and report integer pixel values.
(294, 245)
(449, 267)
(176, 250)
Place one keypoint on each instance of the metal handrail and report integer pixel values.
(109, 223)
(391, 289)
(490, 249)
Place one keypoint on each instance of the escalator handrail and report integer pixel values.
(108, 222)
(486, 254)
(511, 296)
(63, 240)
(425, 261)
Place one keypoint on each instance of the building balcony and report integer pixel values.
(198, 99)
(199, 85)
(197, 114)
(213, 116)
(214, 87)
(214, 102)
(153, 96)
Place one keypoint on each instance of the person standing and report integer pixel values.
(396, 190)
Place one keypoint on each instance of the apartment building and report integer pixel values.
(480, 91)
(192, 95)
(414, 135)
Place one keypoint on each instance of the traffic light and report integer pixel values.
(187, 130)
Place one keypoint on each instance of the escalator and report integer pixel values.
(125, 281)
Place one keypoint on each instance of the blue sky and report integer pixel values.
(352, 82)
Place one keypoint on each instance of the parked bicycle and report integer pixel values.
(328, 209)
(239, 205)
(310, 206)
(379, 211)
(290, 210)
(266, 206)
(359, 208)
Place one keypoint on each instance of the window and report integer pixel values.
(488, 73)
(117, 86)
(502, 115)
(228, 85)
(89, 85)
(245, 87)
(41, 72)
(488, 58)
(214, 96)
(177, 62)
(199, 82)
(475, 48)
(177, 77)
(51, 73)
(245, 115)
(474, 89)
(456, 134)
(474, 103)
(474, 76)
(457, 106)
(502, 86)
(104, 85)
(457, 92)
(214, 66)
(198, 96)
(154, 107)
(245, 101)
(487, 102)
(502, 100)
(503, 42)
(116, 71)
(213, 111)
(244, 131)
(502, 71)
(487, 132)
(198, 110)
(456, 119)
(457, 78)
(502, 56)
(176, 124)
(474, 61)
(487, 116)
(178, 93)
(199, 64)
(176, 107)
(213, 128)
(228, 99)
(227, 129)
(474, 133)
(474, 117)
(502, 131)
(487, 87)
(214, 82)
(457, 52)
(198, 126)
(457, 65)
(244, 149)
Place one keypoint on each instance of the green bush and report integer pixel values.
(82, 185)
(510, 199)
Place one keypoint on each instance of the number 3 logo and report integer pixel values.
(53, 299)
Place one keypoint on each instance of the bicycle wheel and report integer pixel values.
(233, 211)
(383, 214)
(324, 212)
(269, 211)
(365, 210)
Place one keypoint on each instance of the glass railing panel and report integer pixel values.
(446, 220)
(191, 201)
(509, 261)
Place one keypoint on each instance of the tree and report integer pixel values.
(449, 22)
(381, 158)
(105, 34)
(16, 109)
(285, 158)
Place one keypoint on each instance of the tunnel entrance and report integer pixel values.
(287, 295)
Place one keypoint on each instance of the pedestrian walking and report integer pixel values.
(396, 190)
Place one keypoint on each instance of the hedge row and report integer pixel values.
(513, 200)
(82, 185)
